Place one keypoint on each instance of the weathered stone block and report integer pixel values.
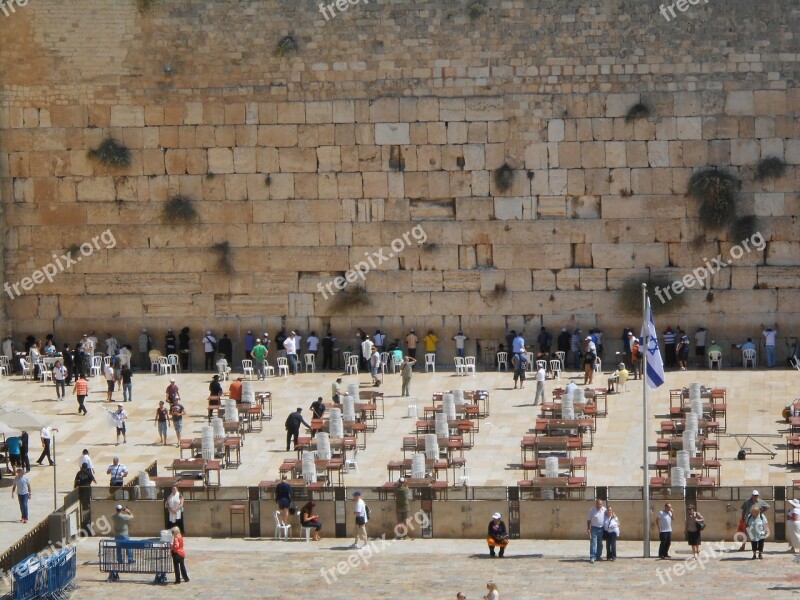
(220, 160)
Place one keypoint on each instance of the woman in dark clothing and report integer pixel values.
(214, 390)
(183, 348)
(497, 535)
(309, 519)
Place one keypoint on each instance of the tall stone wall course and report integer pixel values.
(302, 174)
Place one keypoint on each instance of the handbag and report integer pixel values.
(700, 525)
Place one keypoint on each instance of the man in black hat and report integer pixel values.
(293, 422)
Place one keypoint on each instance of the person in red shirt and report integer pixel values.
(235, 391)
(178, 555)
(81, 390)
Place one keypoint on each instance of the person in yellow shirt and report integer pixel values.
(430, 342)
(617, 380)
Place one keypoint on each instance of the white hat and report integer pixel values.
(208, 332)
(795, 503)
(588, 337)
(496, 516)
(172, 380)
(755, 493)
(119, 506)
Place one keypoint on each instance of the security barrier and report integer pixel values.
(49, 577)
(136, 556)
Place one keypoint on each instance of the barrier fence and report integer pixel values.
(50, 577)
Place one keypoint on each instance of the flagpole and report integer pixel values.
(645, 411)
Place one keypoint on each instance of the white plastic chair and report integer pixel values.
(384, 362)
(459, 361)
(749, 355)
(310, 362)
(283, 366)
(282, 529)
(430, 361)
(502, 360)
(26, 368)
(412, 413)
(269, 369)
(175, 364)
(529, 356)
(247, 367)
(598, 365)
(223, 370)
(555, 367)
(306, 531)
(352, 462)
(464, 479)
(469, 365)
(106, 361)
(715, 357)
(561, 356)
(352, 364)
(97, 366)
(154, 365)
(541, 364)
(44, 372)
(345, 358)
(163, 365)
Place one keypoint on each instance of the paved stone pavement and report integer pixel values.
(755, 402)
(437, 569)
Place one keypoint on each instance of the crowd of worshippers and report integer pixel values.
(578, 348)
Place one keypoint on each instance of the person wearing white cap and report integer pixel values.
(753, 500)
(793, 526)
(497, 535)
(210, 348)
(120, 521)
(120, 417)
(589, 358)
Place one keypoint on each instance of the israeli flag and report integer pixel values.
(655, 365)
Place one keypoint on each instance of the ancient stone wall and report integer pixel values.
(310, 145)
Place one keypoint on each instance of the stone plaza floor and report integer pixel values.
(262, 569)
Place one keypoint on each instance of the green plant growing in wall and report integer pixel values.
(224, 256)
(717, 191)
(179, 210)
(504, 178)
(349, 299)
(286, 47)
(145, 5)
(770, 167)
(640, 110)
(477, 9)
(630, 302)
(111, 154)
(743, 228)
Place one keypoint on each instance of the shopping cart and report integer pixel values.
(136, 556)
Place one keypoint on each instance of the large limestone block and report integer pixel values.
(617, 278)
(608, 256)
(392, 134)
(298, 160)
(484, 108)
(744, 152)
(452, 109)
(617, 105)
(585, 207)
(593, 155)
(426, 281)
(473, 209)
(650, 255)
(103, 306)
(568, 279)
(440, 258)
(97, 189)
(251, 305)
(127, 116)
(551, 256)
(689, 128)
(506, 209)
(277, 136)
(552, 206)
(782, 253)
(743, 278)
(220, 160)
(769, 204)
(461, 281)
(592, 279)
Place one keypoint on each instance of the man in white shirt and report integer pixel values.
(118, 473)
(120, 417)
(85, 459)
(770, 336)
(109, 374)
(594, 527)
(664, 522)
(360, 513)
(460, 338)
(313, 344)
(111, 345)
(210, 348)
(46, 434)
(541, 375)
(290, 346)
(366, 351)
(700, 346)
